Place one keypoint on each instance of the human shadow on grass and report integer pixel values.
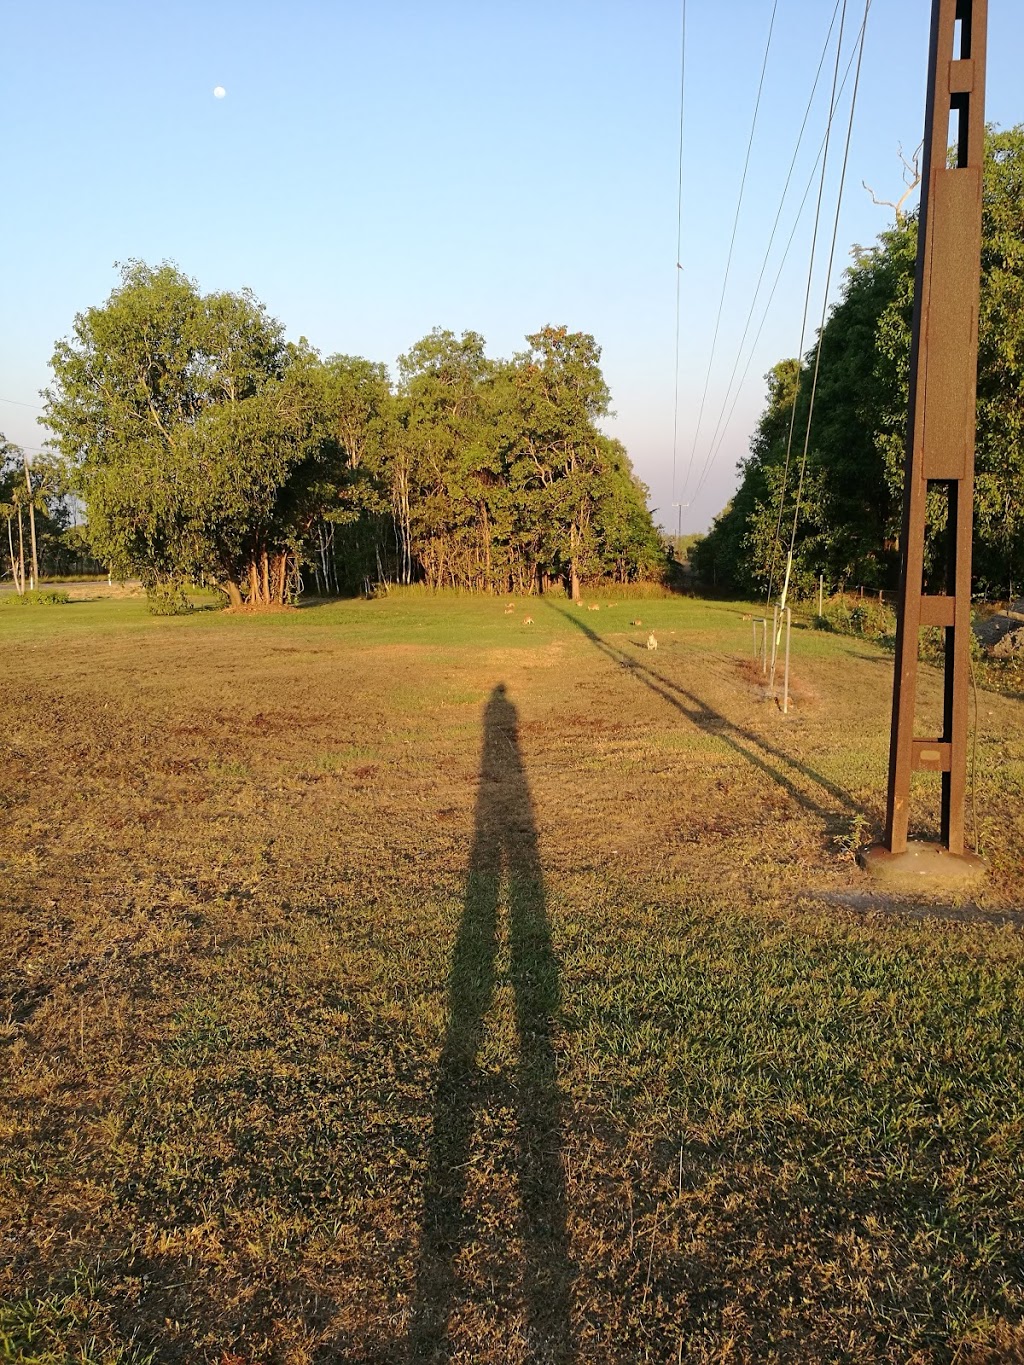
(504, 868)
(771, 761)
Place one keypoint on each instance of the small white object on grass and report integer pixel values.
(219, 92)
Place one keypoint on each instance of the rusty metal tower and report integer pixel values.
(940, 442)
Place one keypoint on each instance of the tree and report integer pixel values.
(559, 396)
(438, 446)
(344, 545)
(849, 519)
(10, 507)
(741, 548)
(204, 444)
(190, 428)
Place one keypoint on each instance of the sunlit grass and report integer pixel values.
(245, 895)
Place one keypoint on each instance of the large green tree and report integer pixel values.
(205, 445)
(550, 431)
(848, 520)
(192, 431)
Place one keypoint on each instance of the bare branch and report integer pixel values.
(911, 179)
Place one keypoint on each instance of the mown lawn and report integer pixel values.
(394, 981)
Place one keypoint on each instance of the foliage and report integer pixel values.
(858, 616)
(36, 597)
(205, 446)
(168, 598)
(34, 516)
(849, 517)
(192, 431)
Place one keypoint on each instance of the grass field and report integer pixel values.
(394, 981)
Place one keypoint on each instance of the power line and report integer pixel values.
(19, 404)
(824, 302)
(679, 247)
(807, 301)
(714, 452)
(732, 243)
(778, 219)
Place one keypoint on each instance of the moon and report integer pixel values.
(219, 92)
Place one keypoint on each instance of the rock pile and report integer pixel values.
(1009, 644)
(1002, 636)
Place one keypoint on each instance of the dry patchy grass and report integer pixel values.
(360, 1010)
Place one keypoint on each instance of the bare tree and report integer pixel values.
(911, 179)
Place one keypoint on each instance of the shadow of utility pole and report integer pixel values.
(504, 857)
(775, 763)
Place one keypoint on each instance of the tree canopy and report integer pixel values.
(849, 518)
(205, 445)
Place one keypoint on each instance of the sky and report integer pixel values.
(377, 170)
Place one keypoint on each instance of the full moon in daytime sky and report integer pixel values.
(219, 92)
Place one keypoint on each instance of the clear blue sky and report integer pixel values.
(376, 170)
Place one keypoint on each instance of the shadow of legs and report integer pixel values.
(504, 847)
(541, 1176)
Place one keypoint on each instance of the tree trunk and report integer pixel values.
(18, 584)
(487, 548)
(574, 572)
(21, 550)
(282, 570)
(323, 556)
(254, 584)
(234, 593)
(32, 525)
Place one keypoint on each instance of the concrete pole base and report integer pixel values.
(923, 867)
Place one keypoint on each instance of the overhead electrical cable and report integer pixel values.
(824, 305)
(732, 243)
(713, 453)
(778, 219)
(679, 248)
(807, 299)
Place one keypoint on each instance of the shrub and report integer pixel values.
(38, 597)
(167, 599)
(866, 617)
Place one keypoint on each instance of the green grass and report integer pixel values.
(391, 981)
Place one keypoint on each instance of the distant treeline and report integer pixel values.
(206, 447)
(38, 535)
(848, 526)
